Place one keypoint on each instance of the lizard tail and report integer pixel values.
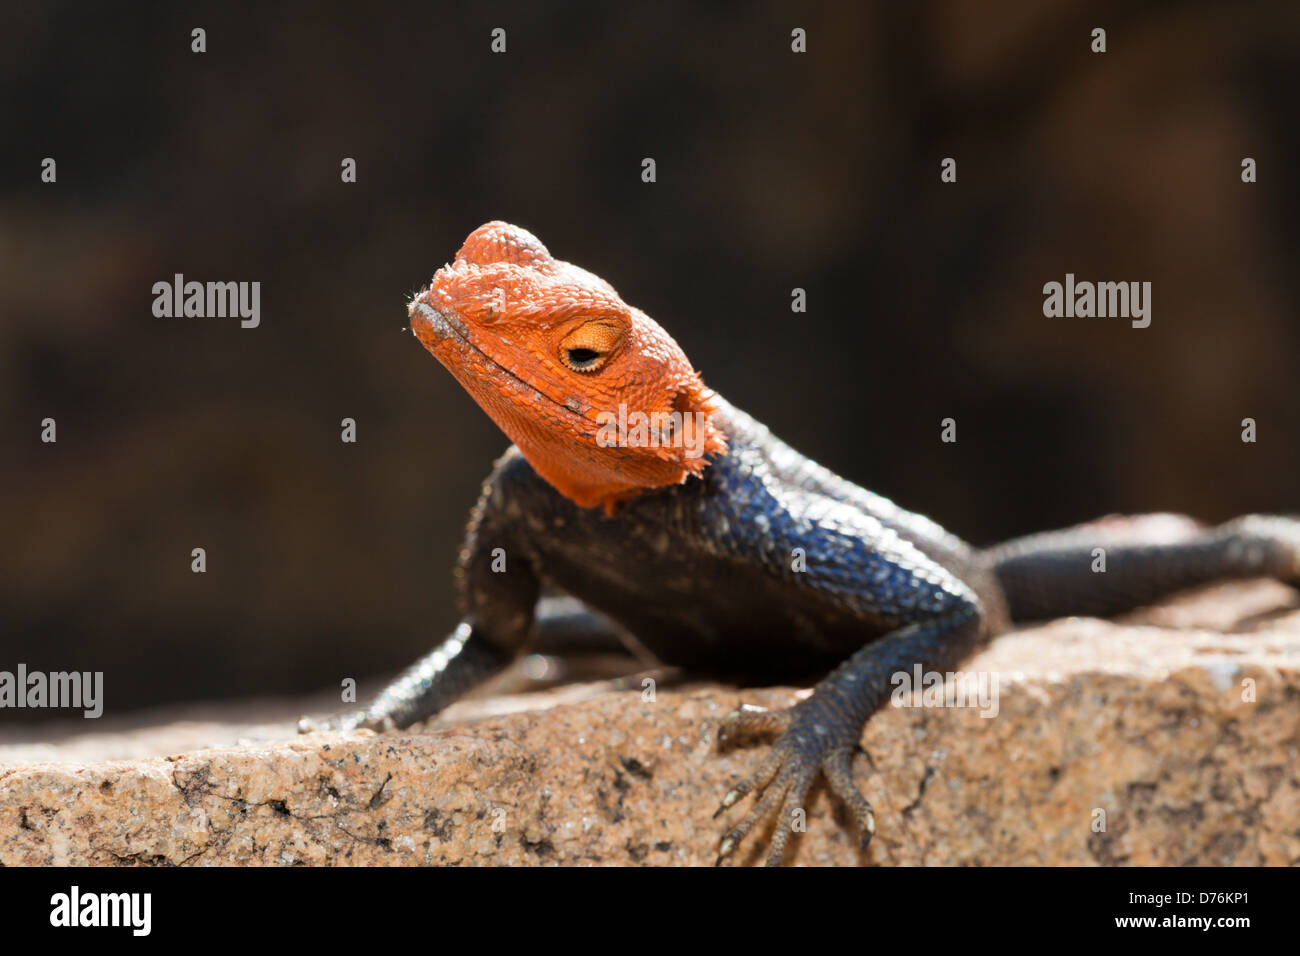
(1117, 564)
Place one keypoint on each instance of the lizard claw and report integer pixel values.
(786, 775)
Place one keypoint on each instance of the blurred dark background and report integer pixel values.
(775, 170)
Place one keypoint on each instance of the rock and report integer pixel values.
(1178, 728)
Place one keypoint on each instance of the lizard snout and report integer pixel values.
(426, 321)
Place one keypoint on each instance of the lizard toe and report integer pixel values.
(749, 722)
(838, 768)
(792, 810)
(759, 780)
(344, 722)
(771, 792)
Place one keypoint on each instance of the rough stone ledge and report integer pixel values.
(1144, 720)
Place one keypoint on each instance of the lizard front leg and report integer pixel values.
(939, 620)
(467, 658)
(471, 656)
(499, 589)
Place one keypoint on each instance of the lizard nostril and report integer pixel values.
(425, 317)
(421, 314)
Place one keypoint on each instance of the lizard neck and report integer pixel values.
(631, 451)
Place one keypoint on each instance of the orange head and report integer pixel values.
(600, 399)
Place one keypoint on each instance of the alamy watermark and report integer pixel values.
(209, 300)
(54, 690)
(921, 688)
(633, 429)
(130, 910)
(1102, 300)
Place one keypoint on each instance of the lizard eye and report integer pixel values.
(581, 359)
(588, 347)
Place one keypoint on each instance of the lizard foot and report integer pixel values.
(1270, 542)
(344, 722)
(808, 744)
(1288, 530)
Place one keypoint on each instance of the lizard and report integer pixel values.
(717, 546)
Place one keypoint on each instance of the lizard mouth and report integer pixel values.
(430, 325)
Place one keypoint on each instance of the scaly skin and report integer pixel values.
(698, 556)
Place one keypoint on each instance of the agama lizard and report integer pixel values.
(744, 556)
